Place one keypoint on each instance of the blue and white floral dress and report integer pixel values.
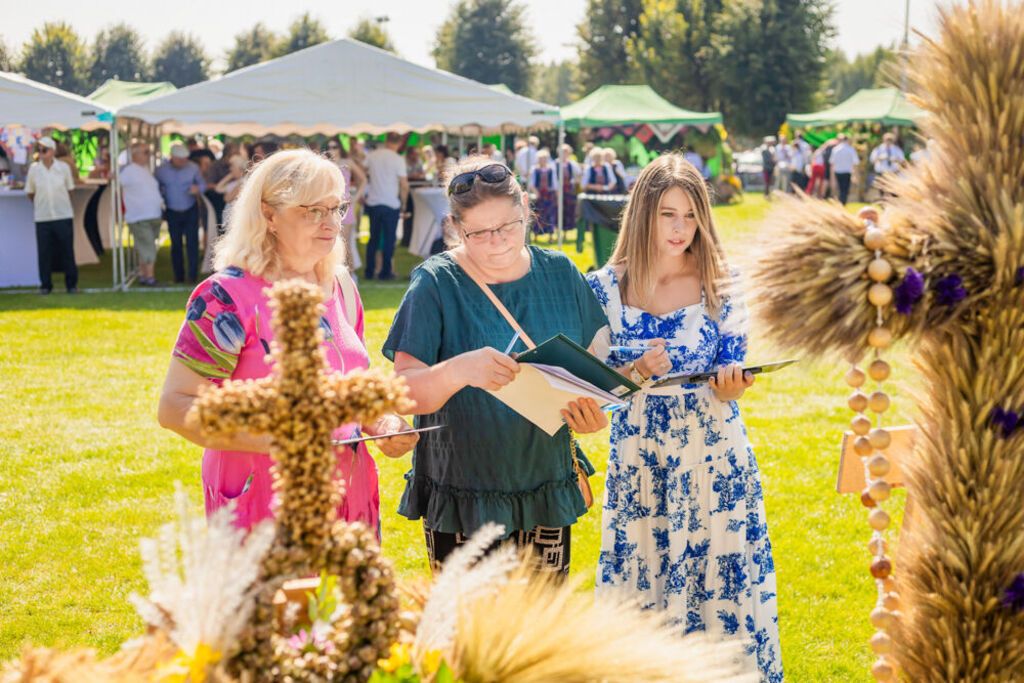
(683, 524)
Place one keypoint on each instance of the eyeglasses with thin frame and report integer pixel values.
(492, 173)
(484, 236)
(315, 213)
(333, 146)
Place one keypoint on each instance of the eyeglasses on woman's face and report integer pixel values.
(316, 214)
(333, 146)
(492, 173)
(503, 231)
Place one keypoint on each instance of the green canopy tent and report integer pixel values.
(624, 105)
(118, 94)
(887, 106)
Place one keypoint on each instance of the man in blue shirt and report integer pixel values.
(181, 183)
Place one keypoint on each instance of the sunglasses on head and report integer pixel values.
(463, 183)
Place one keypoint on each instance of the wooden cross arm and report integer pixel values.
(237, 406)
(364, 395)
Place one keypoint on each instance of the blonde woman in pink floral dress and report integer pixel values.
(285, 225)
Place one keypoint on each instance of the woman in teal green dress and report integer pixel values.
(489, 464)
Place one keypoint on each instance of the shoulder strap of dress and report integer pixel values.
(348, 294)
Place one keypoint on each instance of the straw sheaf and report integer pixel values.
(967, 479)
(810, 274)
(581, 641)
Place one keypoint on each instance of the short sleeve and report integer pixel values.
(69, 181)
(416, 329)
(212, 336)
(30, 181)
(592, 315)
(400, 168)
(733, 324)
(601, 342)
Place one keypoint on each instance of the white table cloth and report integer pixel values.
(19, 258)
(430, 206)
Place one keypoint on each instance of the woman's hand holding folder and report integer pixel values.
(584, 416)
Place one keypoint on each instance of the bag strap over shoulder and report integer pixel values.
(474, 274)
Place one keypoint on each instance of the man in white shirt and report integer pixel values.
(387, 190)
(887, 157)
(526, 158)
(783, 164)
(48, 186)
(143, 210)
(843, 160)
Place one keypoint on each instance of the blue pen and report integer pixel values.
(512, 343)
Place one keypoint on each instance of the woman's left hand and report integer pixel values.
(395, 446)
(584, 416)
(731, 382)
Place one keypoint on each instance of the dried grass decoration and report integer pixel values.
(954, 287)
(300, 405)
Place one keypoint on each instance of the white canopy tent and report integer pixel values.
(342, 86)
(35, 105)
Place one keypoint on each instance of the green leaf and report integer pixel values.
(226, 360)
(444, 674)
(202, 368)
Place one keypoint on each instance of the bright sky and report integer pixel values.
(862, 24)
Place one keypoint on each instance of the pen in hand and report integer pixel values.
(511, 344)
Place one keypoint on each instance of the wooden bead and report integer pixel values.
(879, 370)
(881, 568)
(879, 491)
(879, 402)
(879, 338)
(858, 401)
(878, 519)
(878, 465)
(881, 643)
(868, 213)
(879, 270)
(891, 601)
(853, 355)
(880, 438)
(879, 294)
(862, 445)
(874, 239)
(877, 546)
(881, 670)
(881, 618)
(889, 585)
(861, 425)
(855, 377)
(866, 500)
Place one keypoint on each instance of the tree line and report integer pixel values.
(753, 60)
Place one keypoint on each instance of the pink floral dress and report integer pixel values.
(227, 335)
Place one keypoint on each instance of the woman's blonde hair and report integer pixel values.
(636, 247)
(284, 179)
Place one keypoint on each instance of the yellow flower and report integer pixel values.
(399, 656)
(432, 662)
(189, 668)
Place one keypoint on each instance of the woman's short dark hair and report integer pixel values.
(479, 192)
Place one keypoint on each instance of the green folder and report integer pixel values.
(562, 352)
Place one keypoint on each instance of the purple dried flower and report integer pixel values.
(909, 291)
(1020, 275)
(1008, 420)
(950, 290)
(1013, 596)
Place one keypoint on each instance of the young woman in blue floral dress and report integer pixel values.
(683, 523)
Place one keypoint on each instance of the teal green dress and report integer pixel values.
(490, 464)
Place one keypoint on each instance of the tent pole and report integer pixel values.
(115, 233)
(559, 180)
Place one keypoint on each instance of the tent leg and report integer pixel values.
(560, 181)
(115, 206)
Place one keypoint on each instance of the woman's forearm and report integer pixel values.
(172, 414)
(431, 387)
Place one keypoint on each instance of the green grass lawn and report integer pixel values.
(87, 471)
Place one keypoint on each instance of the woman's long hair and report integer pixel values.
(636, 248)
(286, 178)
